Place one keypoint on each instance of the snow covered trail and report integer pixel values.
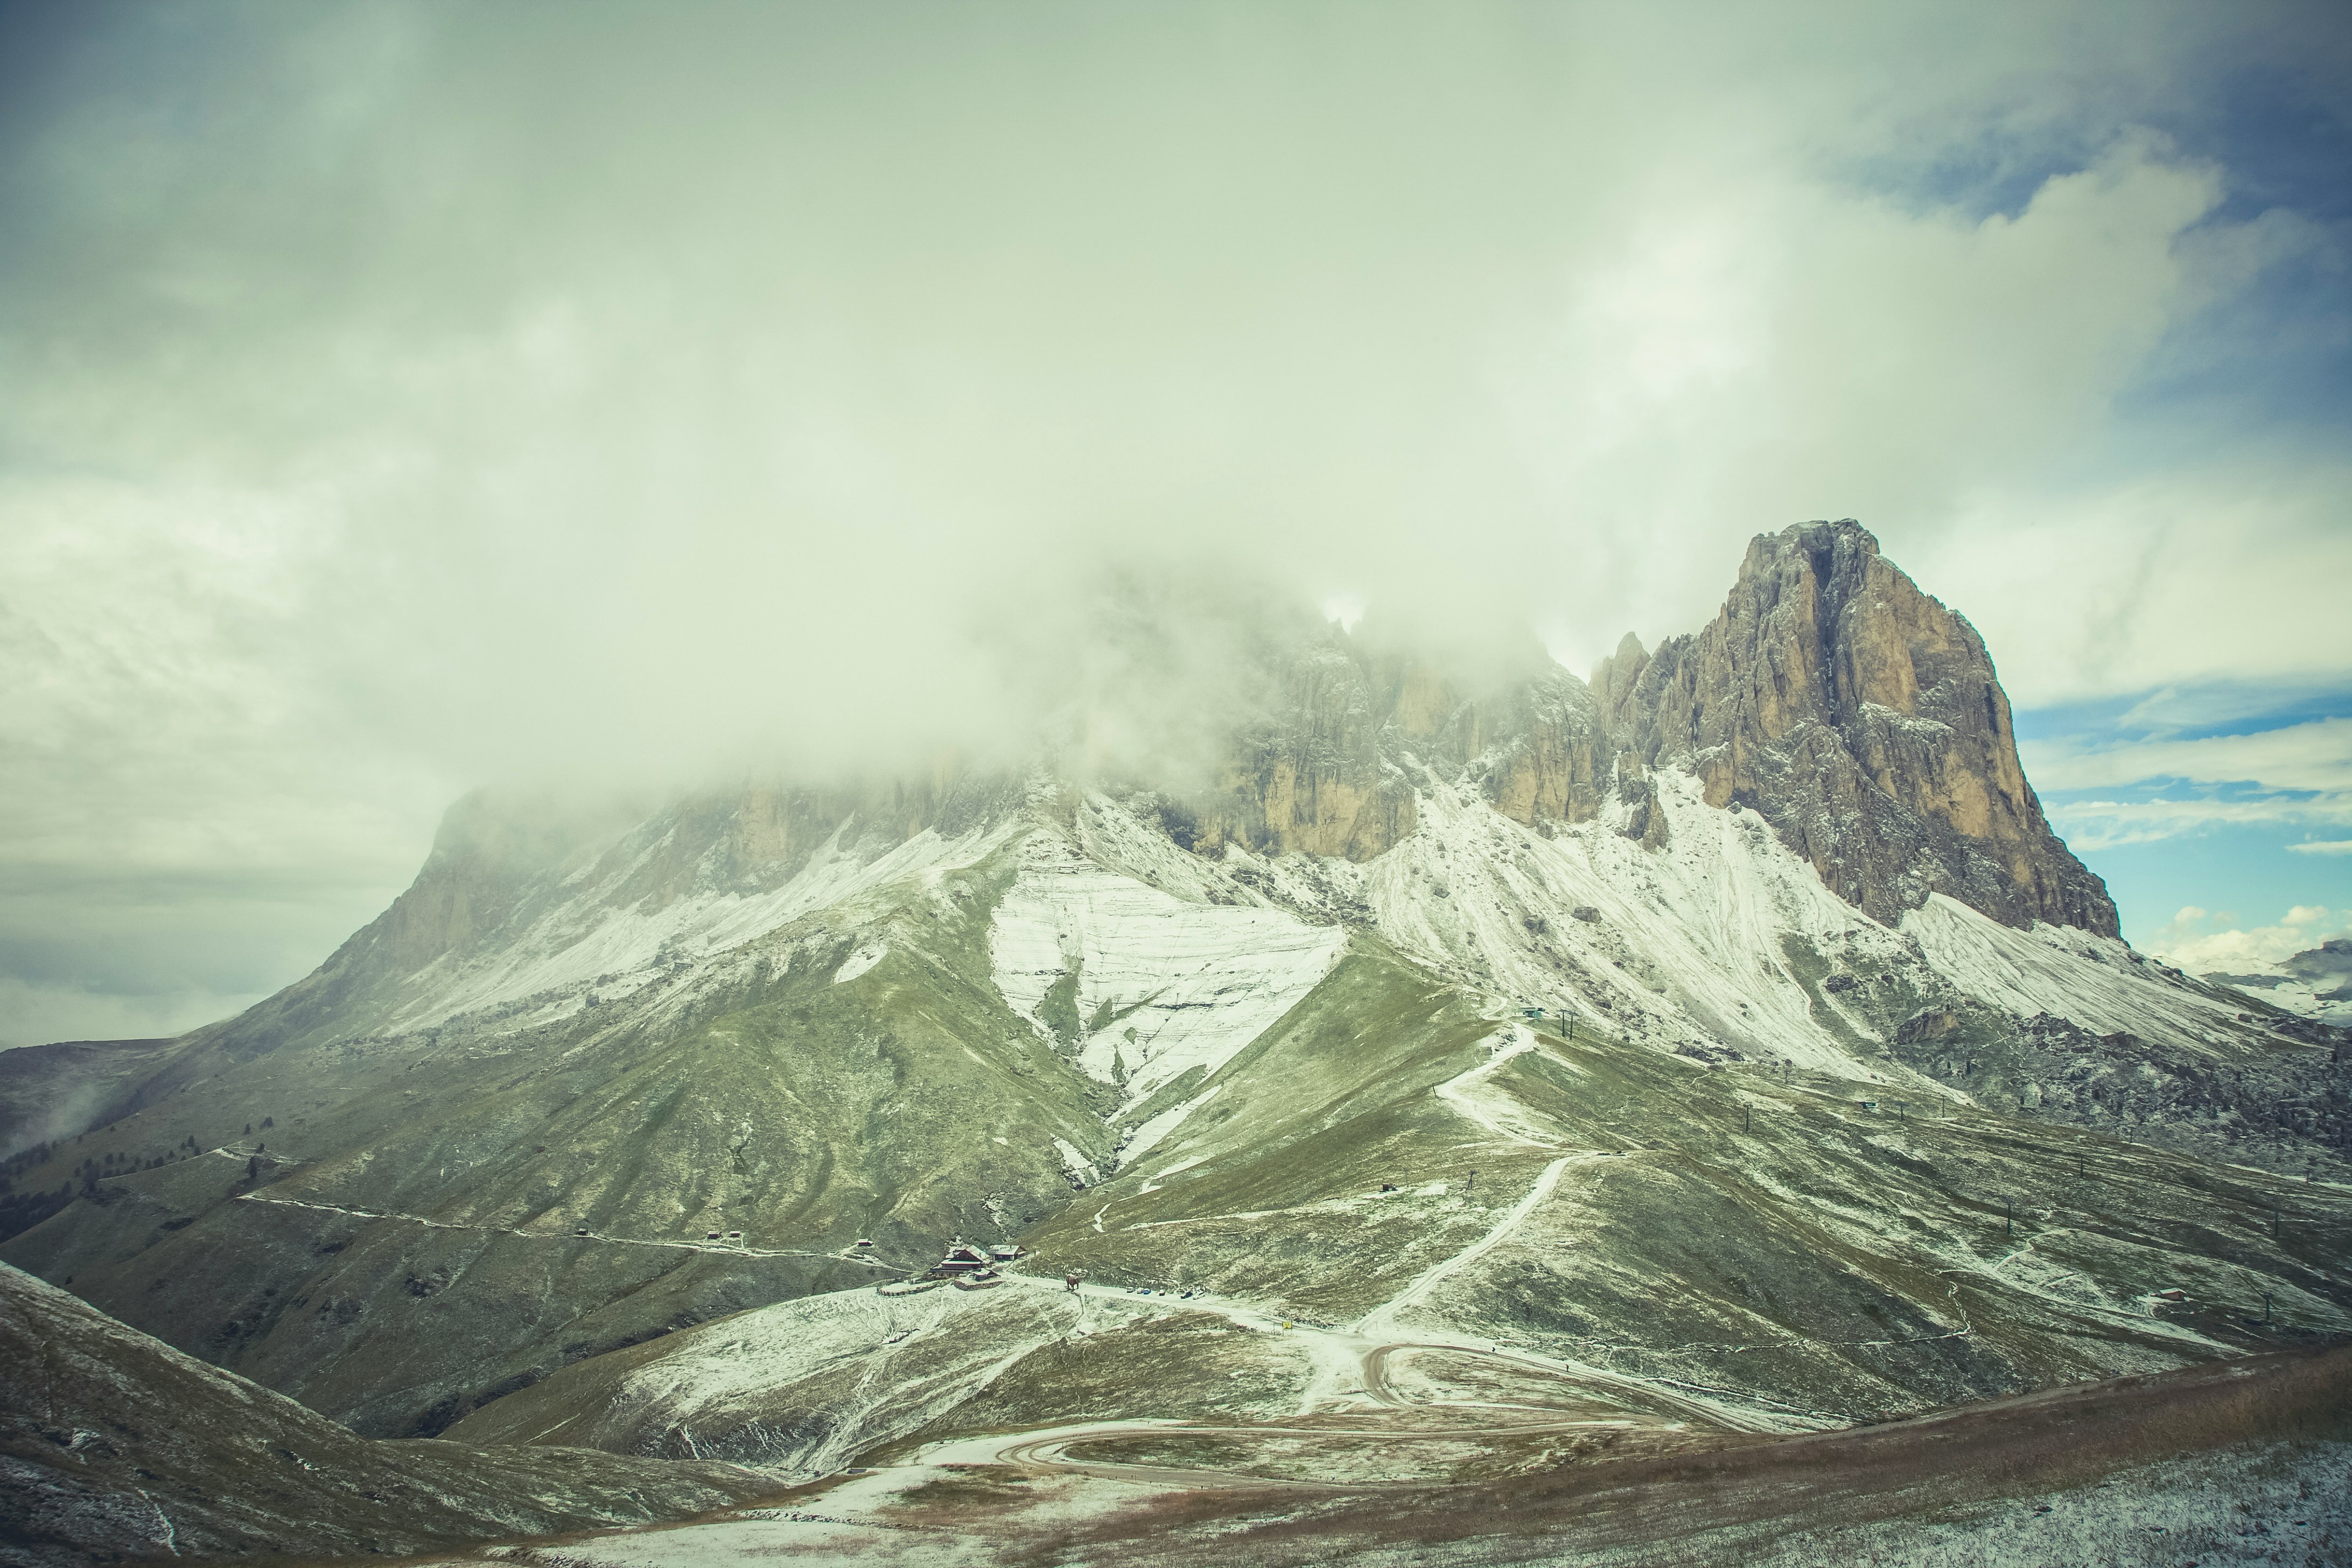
(1349, 1361)
(1476, 1098)
(1345, 1357)
(1381, 1321)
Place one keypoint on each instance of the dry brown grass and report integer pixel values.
(2056, 1438)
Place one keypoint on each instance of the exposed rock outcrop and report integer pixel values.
(1860, 717)
(1310, 776)
(1334, 767)
(1863, 718)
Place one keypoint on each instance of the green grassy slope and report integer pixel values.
(416, 1254)
(116, 1446)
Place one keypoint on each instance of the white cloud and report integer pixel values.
(2303, 774)
(33, 1014)
(2206, 945)
(2317, 755)
(392, 412)
(2091, 825)
(2226, 569)
(2322, 846)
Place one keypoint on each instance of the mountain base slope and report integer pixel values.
(114, 1446)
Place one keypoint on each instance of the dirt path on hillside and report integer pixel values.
(722, 1248)
(1352, 1359)
(1381, 1321)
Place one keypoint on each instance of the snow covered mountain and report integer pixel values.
(1711, 1036)
(2314, 983)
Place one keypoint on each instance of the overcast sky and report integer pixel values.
(398, 398)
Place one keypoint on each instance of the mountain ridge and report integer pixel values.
(594, 1082)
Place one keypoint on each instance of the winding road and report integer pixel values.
(1362, 1352)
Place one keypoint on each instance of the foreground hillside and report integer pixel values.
(116, 1446)
(2236, 1464)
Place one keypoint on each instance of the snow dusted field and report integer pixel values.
(996, 1501)
(1161, 986)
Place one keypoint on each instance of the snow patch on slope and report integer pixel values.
(858, 962)
(1075, 1163)
(1160, 986)
(1674, 946)
(1143, 1138)
(960, 1343)
(2097, 980)
(590, 942)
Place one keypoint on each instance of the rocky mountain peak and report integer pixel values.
(1860, 717)
(1863, 720)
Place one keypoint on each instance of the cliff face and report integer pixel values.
(1863, 721)
(1333, 768)
(1860, 717)
(1310, 776)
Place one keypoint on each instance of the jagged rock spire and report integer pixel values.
(1863, 720)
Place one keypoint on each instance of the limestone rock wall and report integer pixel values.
(1864, 721)
(1334, 767)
